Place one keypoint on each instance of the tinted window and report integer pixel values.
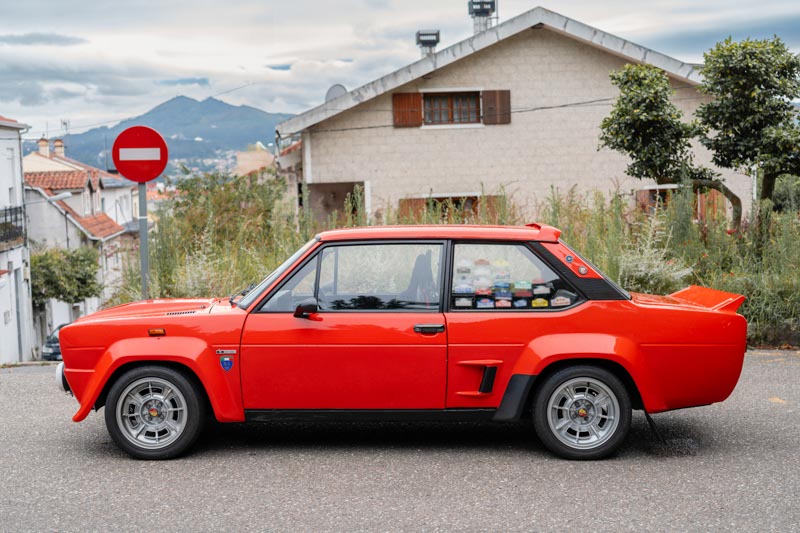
(505, 276)
(380, 277)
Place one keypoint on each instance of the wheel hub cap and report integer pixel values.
(582, 413)
(151, 413)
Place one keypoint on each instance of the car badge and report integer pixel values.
(569, 259)
(226, 363)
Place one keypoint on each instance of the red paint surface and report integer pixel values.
(681, 350)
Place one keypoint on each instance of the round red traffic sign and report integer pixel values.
(140, 154)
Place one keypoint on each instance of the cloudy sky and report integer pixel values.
(95, 61)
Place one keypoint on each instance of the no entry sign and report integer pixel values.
(140, 154)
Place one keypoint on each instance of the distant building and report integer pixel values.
(254, 159)
(517, 106)
(16, 334)
(98, 213)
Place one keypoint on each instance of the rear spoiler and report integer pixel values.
(710, 298)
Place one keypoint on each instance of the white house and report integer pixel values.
(516, 106)
(97, 213)
(16, 331)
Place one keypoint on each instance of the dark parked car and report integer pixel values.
(51, 351)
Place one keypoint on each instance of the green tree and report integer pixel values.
(66, 275)
(646, 126)
(751, 120)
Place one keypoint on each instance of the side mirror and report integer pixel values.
(306, 307)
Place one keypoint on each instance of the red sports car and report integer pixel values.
(414, 322)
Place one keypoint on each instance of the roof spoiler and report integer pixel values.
(546, 233)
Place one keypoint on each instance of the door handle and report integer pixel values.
(429, 328)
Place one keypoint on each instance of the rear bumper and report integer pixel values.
(61, 379)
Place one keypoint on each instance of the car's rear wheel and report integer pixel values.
(582, 412)
(154, 412)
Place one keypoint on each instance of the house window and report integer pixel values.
(412, 110)
(452, 108)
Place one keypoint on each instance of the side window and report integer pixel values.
(375, 277)
(505, 276)
(299, 287)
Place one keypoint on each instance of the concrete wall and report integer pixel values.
(47, 225)
(16, 327)
(118, 204)
(540, 149)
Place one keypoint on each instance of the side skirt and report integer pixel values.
(369, 415)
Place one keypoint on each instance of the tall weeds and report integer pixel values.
(221, 233)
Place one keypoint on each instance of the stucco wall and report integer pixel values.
(540, 149)
(16, 331)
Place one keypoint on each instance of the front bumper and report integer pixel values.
(61, 379)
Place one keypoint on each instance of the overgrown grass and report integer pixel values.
(222, 233)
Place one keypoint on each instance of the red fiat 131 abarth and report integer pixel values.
(414, 322)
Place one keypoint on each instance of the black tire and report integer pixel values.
(194, 411)
(614, 436)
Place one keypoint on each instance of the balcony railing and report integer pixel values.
(12, 227)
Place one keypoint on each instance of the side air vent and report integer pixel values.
(173, 313)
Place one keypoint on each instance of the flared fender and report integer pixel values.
(223, 387)
(548, 349)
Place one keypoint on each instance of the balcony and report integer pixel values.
(12, 228)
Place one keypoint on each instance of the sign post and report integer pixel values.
(140, 154)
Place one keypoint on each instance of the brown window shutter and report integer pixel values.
(496, 107)
(411, 208)
(407, 109)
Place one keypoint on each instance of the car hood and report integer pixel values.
(160, 307)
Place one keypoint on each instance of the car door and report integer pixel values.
(377, 340)
(502, 296)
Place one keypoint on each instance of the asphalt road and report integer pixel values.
(734, 465)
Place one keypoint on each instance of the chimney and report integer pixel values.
(427, 41)
(58, 147)
(44, 147)
(481, 12)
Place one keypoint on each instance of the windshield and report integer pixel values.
(53, 337)
(254, 294)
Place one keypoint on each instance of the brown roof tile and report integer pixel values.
(101, 225)
(58, 180)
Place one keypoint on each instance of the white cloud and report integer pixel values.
(101, 61)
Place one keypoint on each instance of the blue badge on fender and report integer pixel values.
(226, 362)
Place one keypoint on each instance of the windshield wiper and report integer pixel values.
(234, 297)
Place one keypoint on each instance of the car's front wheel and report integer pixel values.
(582, 412)
(154, 412)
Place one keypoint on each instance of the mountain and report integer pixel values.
(202, 135)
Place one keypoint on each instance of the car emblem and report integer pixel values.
(226, 363)
(153, 412)
(569, 259)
